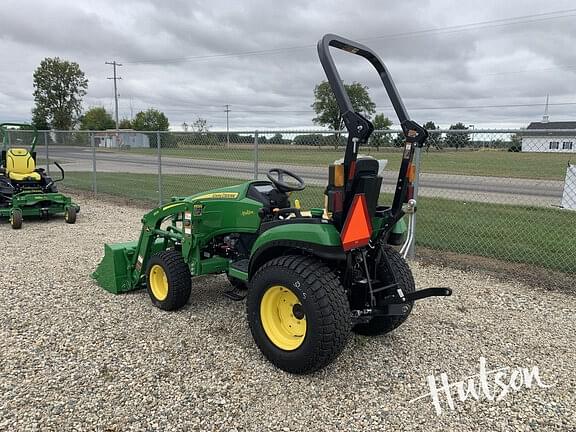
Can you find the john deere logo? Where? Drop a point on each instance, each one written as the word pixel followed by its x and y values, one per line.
pixel 247 212
pixel 219 195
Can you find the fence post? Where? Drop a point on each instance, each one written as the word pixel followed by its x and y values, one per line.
pixel 159 154
pixel 412 250
pixel 256 155
pixel 93 145
pixel 47 155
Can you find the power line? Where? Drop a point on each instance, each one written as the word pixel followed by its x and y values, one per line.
pixel 273 111
pixel 442 30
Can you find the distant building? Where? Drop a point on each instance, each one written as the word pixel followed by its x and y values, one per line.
pixel 128 138
pixel 550 140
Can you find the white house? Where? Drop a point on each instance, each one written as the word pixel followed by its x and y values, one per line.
pixel 555 138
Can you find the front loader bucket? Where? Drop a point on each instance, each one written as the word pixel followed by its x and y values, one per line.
pixel 114 273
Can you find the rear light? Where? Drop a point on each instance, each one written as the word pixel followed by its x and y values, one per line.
pixel 411 176
pixel 336 175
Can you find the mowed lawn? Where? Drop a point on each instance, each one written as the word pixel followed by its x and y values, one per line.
pixel 538 236
pixel 491 163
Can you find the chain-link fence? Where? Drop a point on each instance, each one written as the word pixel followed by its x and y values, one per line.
pixel 505 194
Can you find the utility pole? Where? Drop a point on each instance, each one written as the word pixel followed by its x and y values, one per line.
pixel 115 78
pixel 227 110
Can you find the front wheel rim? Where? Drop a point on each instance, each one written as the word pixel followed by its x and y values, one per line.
pixel 158 282
pixel 283 318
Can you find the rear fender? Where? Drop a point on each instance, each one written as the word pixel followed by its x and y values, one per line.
pixel 319 239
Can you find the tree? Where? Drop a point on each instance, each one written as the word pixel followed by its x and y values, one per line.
pixel 399 140
pixel 200 125
pixel 96 118
pixel 125 124
pixel 457 139
pixel 515 143
pixel 153 120
pixel 327 110
pixel 308 139
pixel 40 119
pixel 378 139
pixel 276 139
pixel 201 134
pixel 434 138
pixel 59 86
pixel 150 120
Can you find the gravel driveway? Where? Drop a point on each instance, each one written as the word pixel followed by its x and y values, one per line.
pixel 74 357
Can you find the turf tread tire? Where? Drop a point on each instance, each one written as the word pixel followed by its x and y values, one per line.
pixel 179 280
pixel 325 303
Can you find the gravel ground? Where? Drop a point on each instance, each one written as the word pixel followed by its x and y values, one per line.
pixel 74 357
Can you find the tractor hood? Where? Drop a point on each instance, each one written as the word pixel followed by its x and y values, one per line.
pixel 234 193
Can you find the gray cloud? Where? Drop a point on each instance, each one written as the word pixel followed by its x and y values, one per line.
pixel 504 64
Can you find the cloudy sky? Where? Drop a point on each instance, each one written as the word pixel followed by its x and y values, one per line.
pixel 489 63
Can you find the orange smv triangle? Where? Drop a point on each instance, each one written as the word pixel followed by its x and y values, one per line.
pixel 358 226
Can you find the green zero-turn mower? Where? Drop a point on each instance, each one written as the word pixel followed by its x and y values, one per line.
pixel 25 189
pixel 309 277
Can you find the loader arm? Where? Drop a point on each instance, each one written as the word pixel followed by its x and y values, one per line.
pixel 150 232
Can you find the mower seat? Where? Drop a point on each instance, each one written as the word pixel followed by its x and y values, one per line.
pixel 20 165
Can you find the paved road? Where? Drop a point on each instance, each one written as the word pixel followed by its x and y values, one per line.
pixel 471 188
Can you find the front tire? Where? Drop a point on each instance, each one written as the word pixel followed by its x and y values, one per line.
pixel 16 219
pixel 70 215
pixel 399 271
pixel 168 280
pixel 298 313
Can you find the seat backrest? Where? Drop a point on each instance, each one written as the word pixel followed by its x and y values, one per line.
pixel 367 181
pixel 19 161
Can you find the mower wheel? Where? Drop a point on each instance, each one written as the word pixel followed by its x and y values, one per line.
pixel 70 215
pixel 298 313
pixel 403 275
pixel 16 219
pixel 168 280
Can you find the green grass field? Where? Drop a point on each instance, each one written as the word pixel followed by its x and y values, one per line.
pixel 483 163
pixel 539 236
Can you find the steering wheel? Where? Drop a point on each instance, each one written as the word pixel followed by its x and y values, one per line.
pixel 282 185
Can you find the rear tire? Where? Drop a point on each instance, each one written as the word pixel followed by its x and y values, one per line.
pixel 16 219
pixel 168 280
pixel 70 215
pixel 403 275
pixel 298 313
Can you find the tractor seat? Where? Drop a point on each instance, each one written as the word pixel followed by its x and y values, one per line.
pixel 20 165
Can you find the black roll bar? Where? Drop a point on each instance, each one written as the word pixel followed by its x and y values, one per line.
pixel 332 40
pixel 360 128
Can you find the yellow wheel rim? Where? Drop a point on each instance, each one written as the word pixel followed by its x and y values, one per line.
pixel 158 282
pixel 283 318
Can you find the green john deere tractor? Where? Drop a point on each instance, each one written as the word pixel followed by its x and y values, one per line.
pixel 309 277
pixel 25 189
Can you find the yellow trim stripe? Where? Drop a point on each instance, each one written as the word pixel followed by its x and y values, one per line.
pixel 171 205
